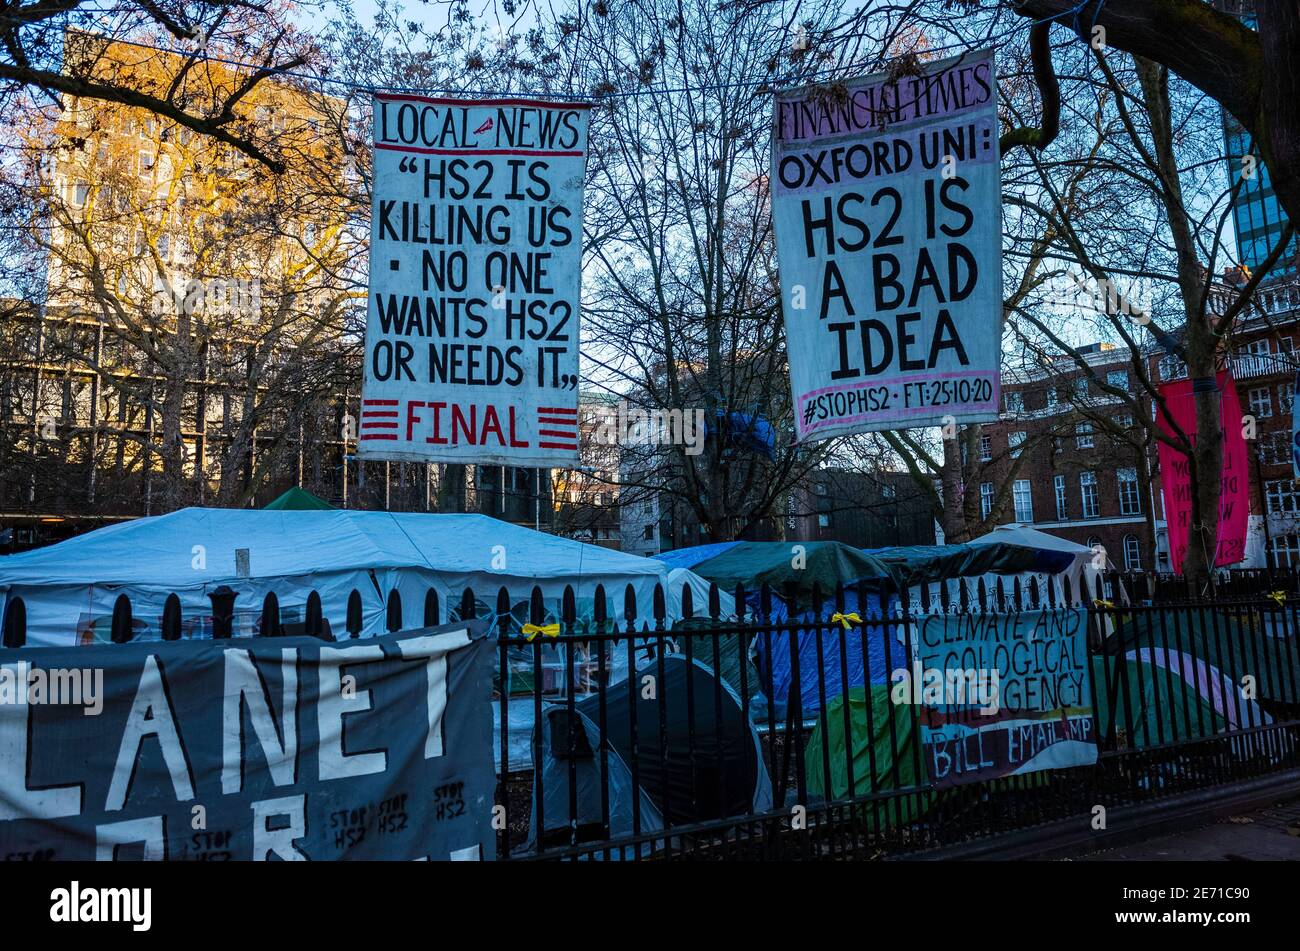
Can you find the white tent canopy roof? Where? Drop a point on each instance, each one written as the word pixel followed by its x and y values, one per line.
pixel 69 589
pixel 1029 538
pixel 164 551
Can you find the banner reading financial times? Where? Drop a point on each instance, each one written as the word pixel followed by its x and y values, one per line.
pixel 886 204
pixel 1000 694
pixel 250 749
pixel 475 266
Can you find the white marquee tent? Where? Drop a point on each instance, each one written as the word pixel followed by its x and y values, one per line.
pixel 69 590
pixel 1086 564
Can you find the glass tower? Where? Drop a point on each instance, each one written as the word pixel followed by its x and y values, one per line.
pixel 1257 219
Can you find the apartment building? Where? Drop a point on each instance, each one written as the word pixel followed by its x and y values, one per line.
pixel 1086 474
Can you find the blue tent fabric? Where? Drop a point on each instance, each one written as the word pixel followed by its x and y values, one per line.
pixel 884 652
pixel 694 555
pixel 749 430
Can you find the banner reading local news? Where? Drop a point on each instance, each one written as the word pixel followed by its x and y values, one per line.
pixel 887 208
pixel 1002 693
pixel 267 748
pixel 475 266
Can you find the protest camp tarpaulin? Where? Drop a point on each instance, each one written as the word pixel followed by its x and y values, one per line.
pixel 251 748
pixel 1000 694
pixel 475 267
pixel 1175 473
pixel 887 208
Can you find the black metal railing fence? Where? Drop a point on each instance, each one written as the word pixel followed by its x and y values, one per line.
pixel 770 730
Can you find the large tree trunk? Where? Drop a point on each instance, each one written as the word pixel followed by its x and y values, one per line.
pixel 1255 76
pixel 1205 465
pixel 955 530
pixel 173 446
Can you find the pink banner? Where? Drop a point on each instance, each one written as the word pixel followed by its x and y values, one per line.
pixel 1234 498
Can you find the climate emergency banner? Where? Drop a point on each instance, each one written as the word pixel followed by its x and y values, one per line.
pixel 1000 694
pixel 284 748
pixel 475 266
pixel 887 208
pixel 1175 473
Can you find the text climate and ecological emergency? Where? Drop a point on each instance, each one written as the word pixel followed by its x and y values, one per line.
pixel 887 209
pixel 475 267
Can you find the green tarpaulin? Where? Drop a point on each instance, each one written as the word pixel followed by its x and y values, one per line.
pixel 868 745
pixel 828 563
pixel 1162 707
pixel 298 500
pixel 777 564
pixel 1235 644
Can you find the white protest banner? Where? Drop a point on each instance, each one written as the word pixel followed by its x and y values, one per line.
pixel 475 267
pixel 888 218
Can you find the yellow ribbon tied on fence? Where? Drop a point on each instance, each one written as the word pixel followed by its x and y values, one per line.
pixel 848 620
pixel 1102 603
pixel 532 630
pixel 1278 596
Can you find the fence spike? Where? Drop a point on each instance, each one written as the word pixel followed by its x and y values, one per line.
pixel 393 615
pixel 314 617
pixel 271 615
pixel 171 619
pixel 15 623
pixel 568 609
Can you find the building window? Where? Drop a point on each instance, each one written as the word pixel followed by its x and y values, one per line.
pixel 1286 551
pixel 1079 387
pixel 1275 448
pixel 80 192
pixel 888 491
pixel 986 499
pixel 1281 496
pixel 1059 484
pixel 986 449
pixel 1083 435
pixel 1130 498
pixel 824 521
pixel 1024 499
pixel 1015 402
pixel 1132 553
pixel 1285 397
pixel 1171 368
pixel 1088 494
pixel 1014 442
pixel 1117 379
pixel 1261 402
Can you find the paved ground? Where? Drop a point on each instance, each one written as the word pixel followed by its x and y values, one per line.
pixel 1270 834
